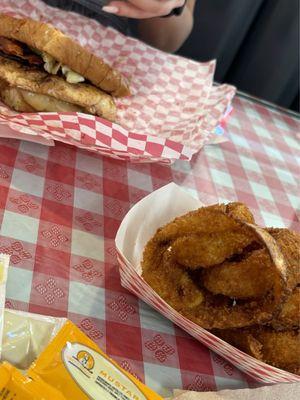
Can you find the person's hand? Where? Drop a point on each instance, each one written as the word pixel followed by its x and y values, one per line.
pixel 141 9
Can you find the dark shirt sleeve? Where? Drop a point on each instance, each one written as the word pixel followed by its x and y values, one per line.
pixel 92 9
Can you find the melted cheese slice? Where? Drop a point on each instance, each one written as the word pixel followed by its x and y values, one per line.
pixel 52 67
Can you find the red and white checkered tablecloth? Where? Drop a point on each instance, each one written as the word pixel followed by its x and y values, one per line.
pixel 60 208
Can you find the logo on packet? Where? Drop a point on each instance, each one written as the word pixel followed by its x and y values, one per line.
pixel 86 360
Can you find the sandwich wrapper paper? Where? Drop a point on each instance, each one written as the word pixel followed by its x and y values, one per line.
pixel 138 226
pixel 274 392
pixel 173 111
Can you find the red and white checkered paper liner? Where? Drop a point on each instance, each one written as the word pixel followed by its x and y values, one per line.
pixel 131 238
pixel 172 113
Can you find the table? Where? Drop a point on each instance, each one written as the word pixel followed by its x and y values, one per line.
pixel 60 208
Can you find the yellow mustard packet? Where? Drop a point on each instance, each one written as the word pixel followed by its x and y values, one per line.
pixel 75 366
pixel 15 386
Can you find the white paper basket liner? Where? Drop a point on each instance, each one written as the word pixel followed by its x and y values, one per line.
pixel 138 226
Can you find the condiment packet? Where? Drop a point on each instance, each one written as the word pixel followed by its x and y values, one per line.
pixel 15 386
pixel 4 263
pixel 75 366
pixel 26 335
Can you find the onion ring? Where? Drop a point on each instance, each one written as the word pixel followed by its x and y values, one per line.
pixel 280 349
pixel 164 273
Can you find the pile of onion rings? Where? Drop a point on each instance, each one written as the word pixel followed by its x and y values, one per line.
pixel 225 273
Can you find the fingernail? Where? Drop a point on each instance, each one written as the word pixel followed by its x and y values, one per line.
pixel 110 9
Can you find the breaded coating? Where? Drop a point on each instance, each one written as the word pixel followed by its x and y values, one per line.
pixel 204 220
pixel 289 316
pixel 289 244
pixel 242 339
pixel 27 82
pixel 207 236
pixel 183 290
pixel 251 277
pixel 224 273
pixel 240 211
pixel 208 249
pixel 280 349
pixel 170 281
pixel 219 312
